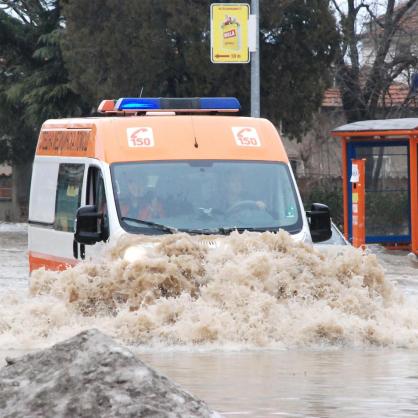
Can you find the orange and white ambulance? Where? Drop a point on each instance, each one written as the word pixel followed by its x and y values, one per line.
pixel 157 166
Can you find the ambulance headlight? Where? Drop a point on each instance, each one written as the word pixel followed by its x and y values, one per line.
pixel 138 252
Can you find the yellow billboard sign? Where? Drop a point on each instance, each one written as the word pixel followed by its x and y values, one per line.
pixel 229 33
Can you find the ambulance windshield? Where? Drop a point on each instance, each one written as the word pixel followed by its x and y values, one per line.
pixel 205 196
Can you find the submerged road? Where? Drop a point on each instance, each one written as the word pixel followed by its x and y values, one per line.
pixel 312 381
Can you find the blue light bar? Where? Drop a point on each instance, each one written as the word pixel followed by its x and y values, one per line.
pixel 178 104
pixel 229 103
pixel 131 103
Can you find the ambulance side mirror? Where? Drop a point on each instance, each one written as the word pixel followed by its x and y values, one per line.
pixel 87 225
pixel 319 218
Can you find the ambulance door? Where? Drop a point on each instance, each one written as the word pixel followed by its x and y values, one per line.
pixel 56 193
pixel 95 195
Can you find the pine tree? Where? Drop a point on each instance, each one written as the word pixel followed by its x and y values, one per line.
pixel 34 83
pixel 116 48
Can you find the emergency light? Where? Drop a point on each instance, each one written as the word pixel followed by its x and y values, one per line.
pixel 228 104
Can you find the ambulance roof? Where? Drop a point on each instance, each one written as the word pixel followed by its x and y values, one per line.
pixel 179 137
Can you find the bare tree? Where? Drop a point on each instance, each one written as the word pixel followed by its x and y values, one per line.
pixel 379 48
pixel 391 31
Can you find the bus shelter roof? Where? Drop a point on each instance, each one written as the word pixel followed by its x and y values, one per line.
pixel 383 127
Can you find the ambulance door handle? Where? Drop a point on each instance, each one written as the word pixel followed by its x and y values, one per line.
pixel 75 249
pixel 82 251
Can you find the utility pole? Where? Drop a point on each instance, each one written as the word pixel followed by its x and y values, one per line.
pixel 255 63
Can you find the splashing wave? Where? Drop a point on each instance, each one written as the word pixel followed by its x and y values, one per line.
pixel 249 290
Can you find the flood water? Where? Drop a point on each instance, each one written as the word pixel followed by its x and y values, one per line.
pixel 310 355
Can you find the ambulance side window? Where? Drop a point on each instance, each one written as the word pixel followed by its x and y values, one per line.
pixel 96 195
pixel 68 198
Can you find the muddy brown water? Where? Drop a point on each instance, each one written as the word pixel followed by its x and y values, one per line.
pixel 304 355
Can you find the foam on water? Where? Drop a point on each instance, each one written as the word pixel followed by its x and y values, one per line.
pixel 252 290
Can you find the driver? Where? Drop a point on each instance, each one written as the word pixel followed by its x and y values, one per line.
pixel 141 204
pixel 235 194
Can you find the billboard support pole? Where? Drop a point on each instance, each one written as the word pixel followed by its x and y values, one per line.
pixel 255 64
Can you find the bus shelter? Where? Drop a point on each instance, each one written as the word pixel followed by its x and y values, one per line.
pixel 389 148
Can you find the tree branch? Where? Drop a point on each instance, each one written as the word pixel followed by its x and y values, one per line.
pixel 338 9
pixel 374 18
pixel 352 37
pixel 10 4
pixel 399 66
pixel 402 11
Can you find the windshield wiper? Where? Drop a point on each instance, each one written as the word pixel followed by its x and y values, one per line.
pixel 227 230
pixel 205 231
pixel 154 225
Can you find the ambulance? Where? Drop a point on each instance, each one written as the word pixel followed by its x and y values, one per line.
pixel 156 166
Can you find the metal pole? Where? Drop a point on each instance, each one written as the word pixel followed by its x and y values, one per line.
pixel 255 64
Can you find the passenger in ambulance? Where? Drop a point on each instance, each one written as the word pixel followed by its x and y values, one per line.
pixel 141 204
